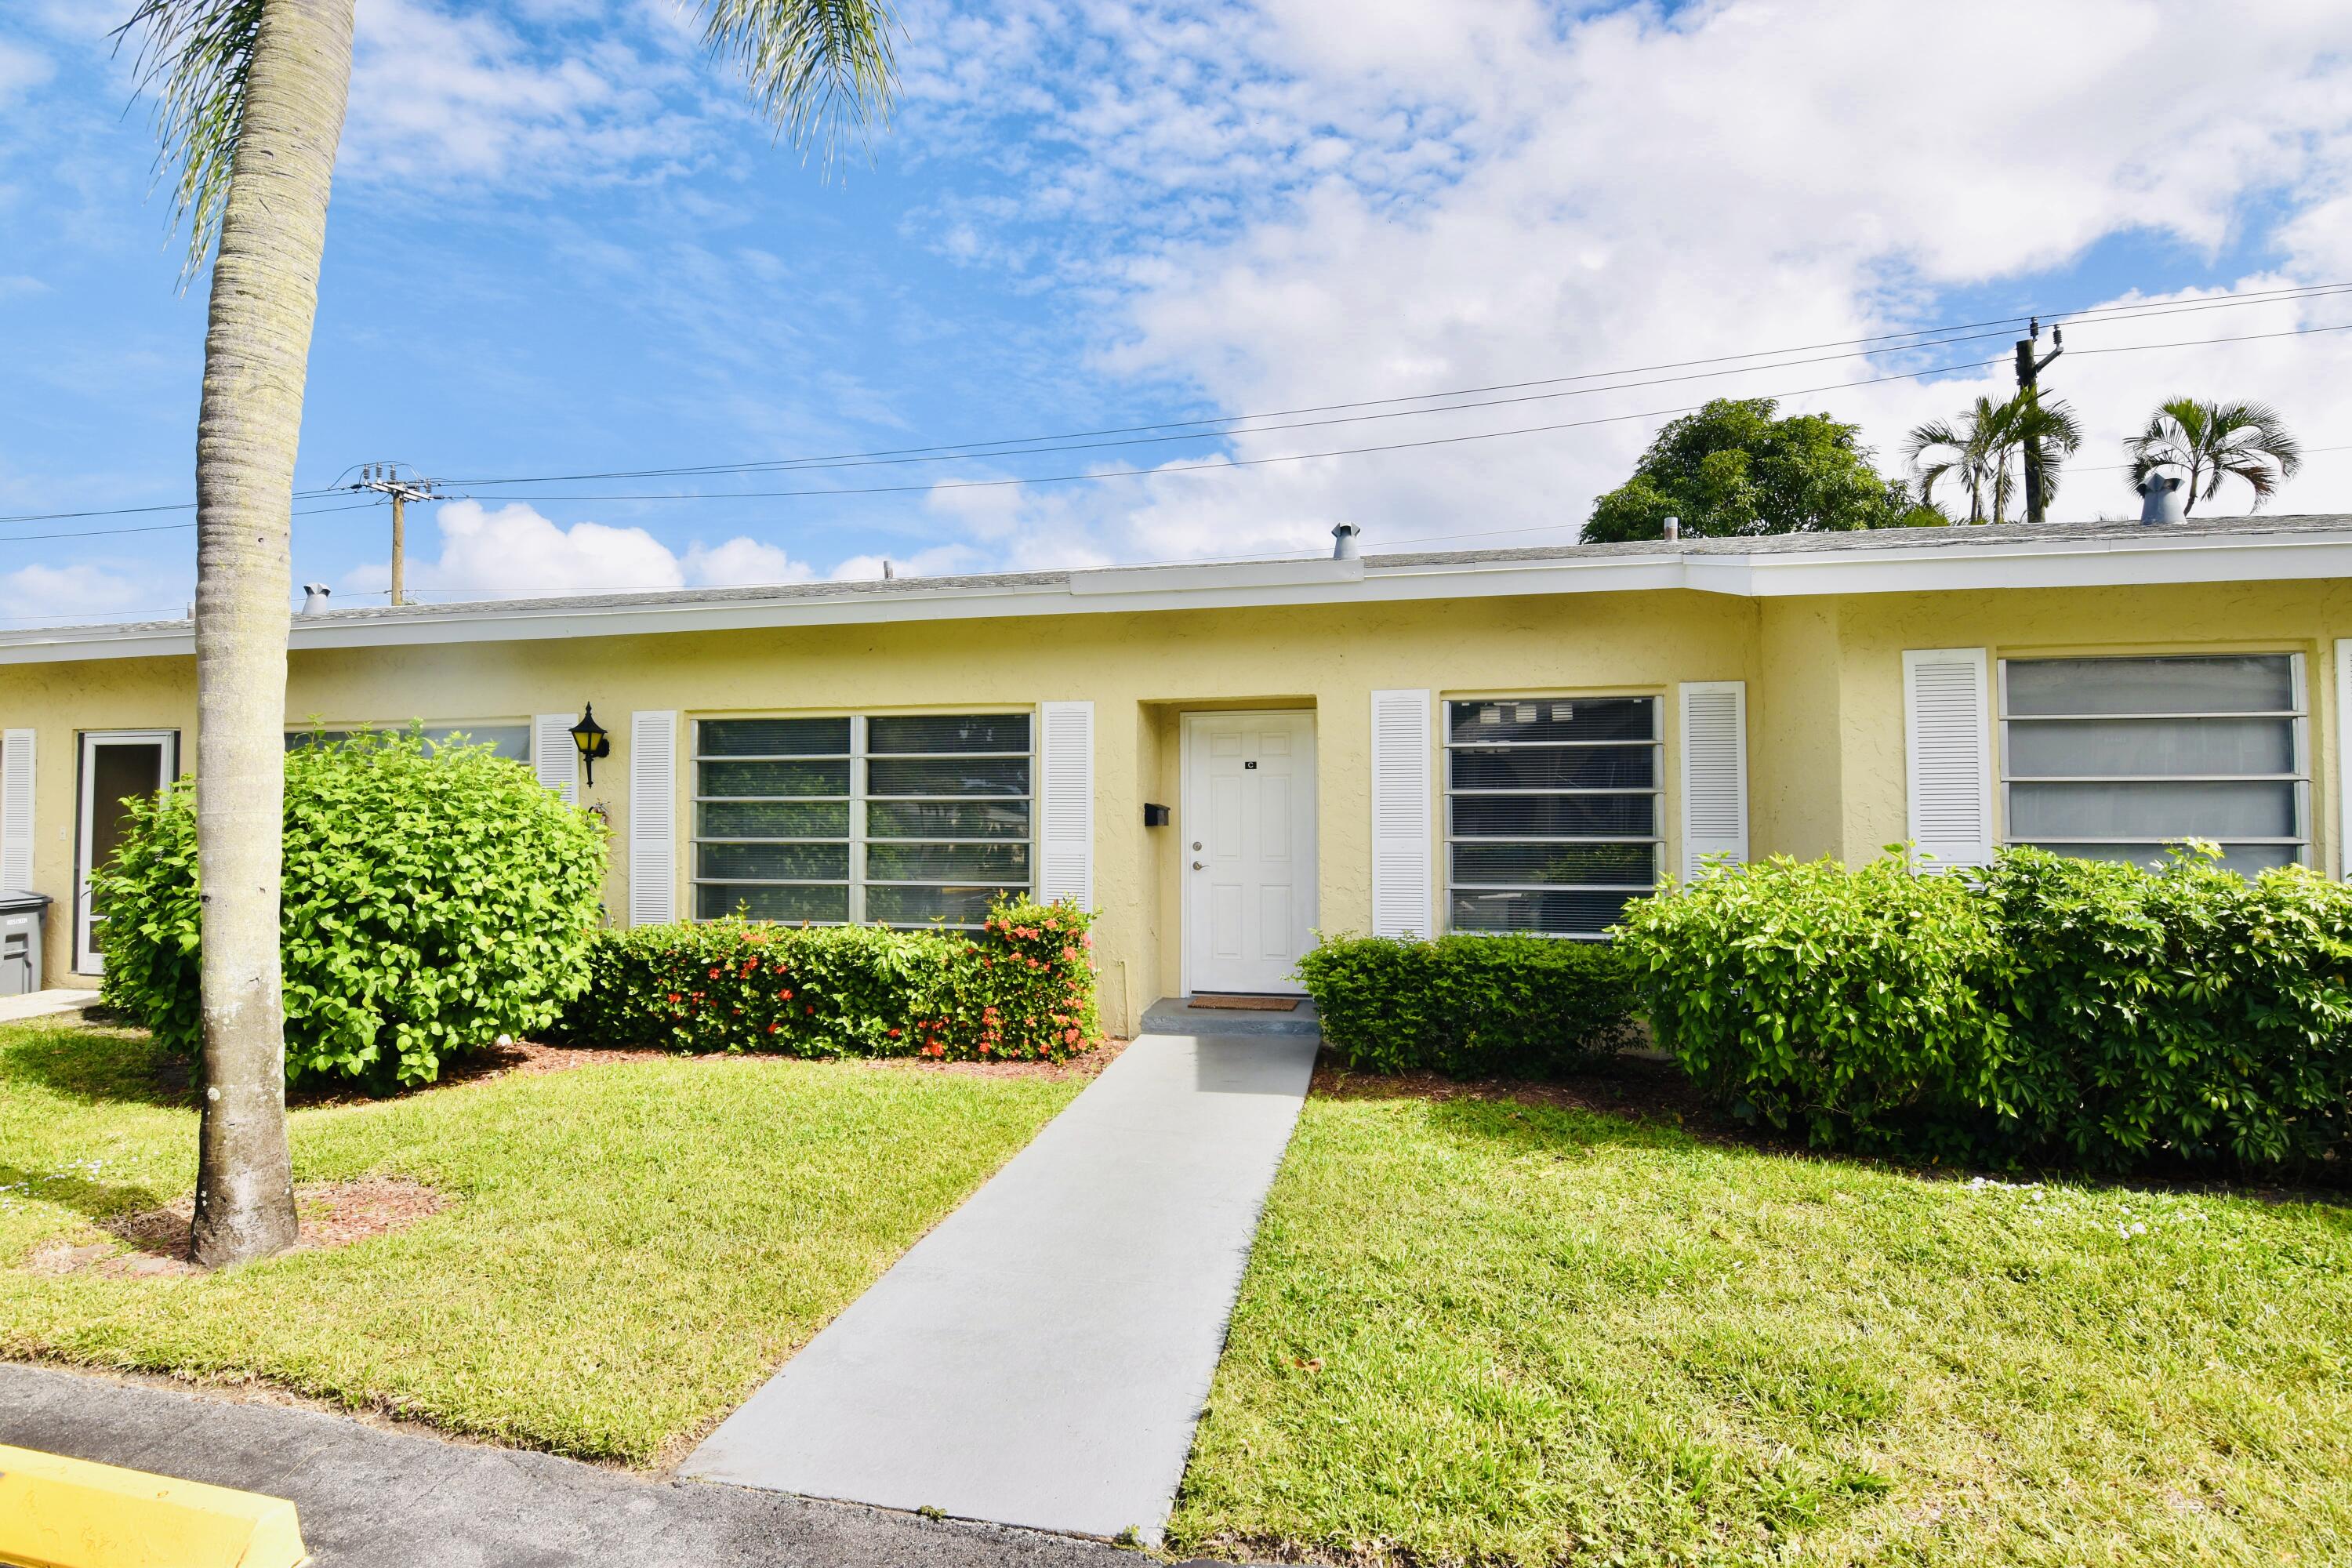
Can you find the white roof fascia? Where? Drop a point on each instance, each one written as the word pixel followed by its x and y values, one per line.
pixel 2105 561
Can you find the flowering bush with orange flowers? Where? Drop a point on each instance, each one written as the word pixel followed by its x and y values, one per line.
pixel 1022 988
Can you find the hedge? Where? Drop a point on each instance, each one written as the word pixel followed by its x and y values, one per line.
pixel 1468 1006
pixel 2045 1009
pixel 436 897
pixel 1019 989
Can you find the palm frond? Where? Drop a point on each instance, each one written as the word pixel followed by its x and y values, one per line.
pixel 816 68
pixel 193 56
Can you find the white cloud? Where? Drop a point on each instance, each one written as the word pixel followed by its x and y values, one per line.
pixel 92 591
pixel 515 552
pixel 743 561
pixel 443 97
pixel 21 68
pixel 1301 202
pixel 939 562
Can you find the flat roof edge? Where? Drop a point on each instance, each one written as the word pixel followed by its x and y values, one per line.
pixel 2112 559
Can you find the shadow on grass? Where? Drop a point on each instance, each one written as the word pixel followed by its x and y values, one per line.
pixel 1559 1131
pixel 85 1193
pixel 97 1066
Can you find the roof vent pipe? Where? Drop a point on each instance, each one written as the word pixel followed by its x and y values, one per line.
pixel 314 598
pixel 2163 497
pixel 1343 540
pixel 1674 529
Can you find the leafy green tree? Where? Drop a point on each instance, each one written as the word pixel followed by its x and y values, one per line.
pixel 1734 468
pixel 250 97
pixel 2216 441
pixel 1984 452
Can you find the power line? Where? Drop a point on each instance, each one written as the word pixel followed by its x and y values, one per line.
pixel 1260 461
pixel 1927 338
pixel 156 527
pixel 141 511
pixel 1015 446
pixel 960 456
pixel 1229 463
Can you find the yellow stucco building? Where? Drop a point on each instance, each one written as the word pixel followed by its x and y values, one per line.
pixel 1513 739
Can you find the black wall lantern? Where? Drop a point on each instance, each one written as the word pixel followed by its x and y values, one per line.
pixel 590 737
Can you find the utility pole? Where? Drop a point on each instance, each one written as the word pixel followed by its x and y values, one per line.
pixel 2029 373
pixel 384 479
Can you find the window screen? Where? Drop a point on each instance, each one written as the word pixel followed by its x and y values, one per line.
pixel 897 819
pixel 1551 812
pixel 508 738
pixel 2113 759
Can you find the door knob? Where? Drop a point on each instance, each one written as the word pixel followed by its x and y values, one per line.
pixel 1196 865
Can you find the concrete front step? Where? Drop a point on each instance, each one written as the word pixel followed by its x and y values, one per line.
pixel 1176 1015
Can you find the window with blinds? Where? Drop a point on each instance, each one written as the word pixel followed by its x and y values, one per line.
pixel 1551 812
pixel 893 820
pixel 2113 759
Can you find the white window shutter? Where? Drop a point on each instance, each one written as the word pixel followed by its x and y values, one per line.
pixel 1947 752
pixel 2343 759
pixel 1400 822
pixel 554 756
pixel 1715 772
pixel 17 810
pixel 653 818
pixel 1066 805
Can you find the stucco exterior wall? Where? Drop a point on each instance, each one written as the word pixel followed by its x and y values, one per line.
pixel 1825 707
pixel 2304 618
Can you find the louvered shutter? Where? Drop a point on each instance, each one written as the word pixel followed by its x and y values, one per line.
pixel 554 756
pixel 653 818
pixel 1400 805
pixel 1715 772
pixel 2343 759
pixel 1947 752
pixel 17 810
pixel 1065 803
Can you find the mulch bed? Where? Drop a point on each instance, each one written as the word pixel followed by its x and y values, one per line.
pixel 153 1243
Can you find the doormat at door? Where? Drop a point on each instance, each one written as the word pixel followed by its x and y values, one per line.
pixel 1247 1004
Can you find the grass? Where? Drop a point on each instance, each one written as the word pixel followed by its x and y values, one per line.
pixel 633 1247
pixel 1480 1331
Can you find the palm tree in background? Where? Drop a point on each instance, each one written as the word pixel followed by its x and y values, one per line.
pixel 2211 442
pixel 249 108
pixel 1979 451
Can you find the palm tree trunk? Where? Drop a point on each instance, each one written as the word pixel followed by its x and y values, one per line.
pixel 265 295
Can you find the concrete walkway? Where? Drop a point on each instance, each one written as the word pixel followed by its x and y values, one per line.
pixel 373 1498
pixel 45 1005
pixel 1041 1358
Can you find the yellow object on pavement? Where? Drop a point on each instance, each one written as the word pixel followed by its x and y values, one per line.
pixel 57 1512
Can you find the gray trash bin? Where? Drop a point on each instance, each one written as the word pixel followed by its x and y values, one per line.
pixel 20 942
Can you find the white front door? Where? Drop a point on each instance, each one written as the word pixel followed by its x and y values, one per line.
pixel 1247 821
pixel 115 765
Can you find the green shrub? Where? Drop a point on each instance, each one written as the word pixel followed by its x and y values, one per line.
pixel 1023 988
pixel 435 898
pixel 2187 1012
pixel 2049 1008
pixel 1849 1005
pixel 1468 1006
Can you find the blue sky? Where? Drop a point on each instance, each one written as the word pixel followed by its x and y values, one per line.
pixel 559 245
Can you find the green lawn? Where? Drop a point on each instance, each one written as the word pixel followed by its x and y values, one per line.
pixel 1485 1332
pixel 633 1248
